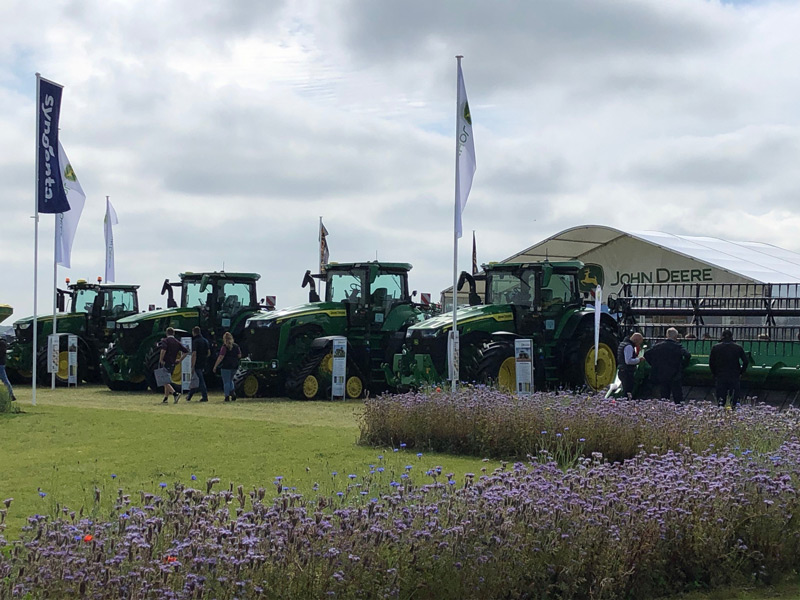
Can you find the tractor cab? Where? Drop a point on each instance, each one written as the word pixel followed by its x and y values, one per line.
pixel 369 291
pixel 101 303
pixel 220 297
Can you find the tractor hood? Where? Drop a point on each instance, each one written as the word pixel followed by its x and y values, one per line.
pixel 28 321
pixel 471 314
pixel 277 317
pixel 158 314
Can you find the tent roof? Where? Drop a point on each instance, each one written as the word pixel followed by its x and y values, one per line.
pixel 758 261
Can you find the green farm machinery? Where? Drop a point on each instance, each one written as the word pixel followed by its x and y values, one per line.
pixel 290 350
pixel 94 311
pixel 540 301
pixel 764 319
pixel 215 301
pixel 5 312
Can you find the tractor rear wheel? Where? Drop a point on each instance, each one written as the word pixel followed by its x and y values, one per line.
pixel 584 373
pixel 497 366
pixel 62 375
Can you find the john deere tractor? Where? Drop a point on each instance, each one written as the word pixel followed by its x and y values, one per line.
pixel 94 311
pixel 215 301
pixel 291 349
pixel 538 301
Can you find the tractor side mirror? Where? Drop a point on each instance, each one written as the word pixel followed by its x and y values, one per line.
pixel 474 298
pixel 167 289
pixel 308 280
pixel 60 300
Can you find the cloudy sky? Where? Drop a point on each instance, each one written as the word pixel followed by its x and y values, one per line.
pixel 223 130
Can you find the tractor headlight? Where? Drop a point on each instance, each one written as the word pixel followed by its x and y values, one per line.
pixel 429 333
pixel 128 325
pixel 24 325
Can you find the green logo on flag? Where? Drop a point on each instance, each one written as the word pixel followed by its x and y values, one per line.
pixel 467 116
pixel 69 173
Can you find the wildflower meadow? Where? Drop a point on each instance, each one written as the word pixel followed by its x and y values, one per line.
pixel 694 497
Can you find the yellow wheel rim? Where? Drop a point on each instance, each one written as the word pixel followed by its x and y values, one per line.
pixel 507 375
pixel 63 365
pixel 176 374
pixel 250 386
pixel 602 375
pixel 310 387
pixel 354 387
pixel 326 365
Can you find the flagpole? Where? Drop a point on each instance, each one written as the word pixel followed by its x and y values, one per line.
pixel 454 349
pixel 36 241
pixel 55 294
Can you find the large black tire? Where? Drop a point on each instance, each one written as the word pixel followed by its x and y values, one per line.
pixel 582 371
pixel 247 384
pixel 497 366
pixel 306 383
pixel 62 377
pixel 470 351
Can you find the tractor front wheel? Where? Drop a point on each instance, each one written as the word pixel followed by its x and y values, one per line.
pixel 497 365
pixel 247 384
pixel 587 373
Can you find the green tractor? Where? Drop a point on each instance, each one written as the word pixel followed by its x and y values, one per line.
pixel 5 312
pixel 290 350
pixel 215 301
pixel 94 310
pixel 539 301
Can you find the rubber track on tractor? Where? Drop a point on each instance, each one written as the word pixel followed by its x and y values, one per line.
pixel 309 366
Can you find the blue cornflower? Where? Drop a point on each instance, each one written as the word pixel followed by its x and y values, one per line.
pixel 394 484
pixel 340 494
pixel 395 450
pixel 409 467
pixel 162 484
pixel 335 473
pixel 402 445
pixel 351 476
pixel 419 454
pixel 380 456
pixel 279 478
pixel 113 476
pixel 380 469
pixel 42 494
pixel 194 477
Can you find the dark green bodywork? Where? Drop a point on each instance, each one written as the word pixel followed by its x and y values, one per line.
pixel 279 341
pixel 127 363
pixel 94 323
pixel 554 328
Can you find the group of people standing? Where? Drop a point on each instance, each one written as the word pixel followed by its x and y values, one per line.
pixel 667 359
pixel 172 352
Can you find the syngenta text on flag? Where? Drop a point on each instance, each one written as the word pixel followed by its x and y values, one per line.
pixel 67 223
pixel 465 161
pixel 51 194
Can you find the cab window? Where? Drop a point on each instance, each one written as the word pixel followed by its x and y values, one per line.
pixel 83 300
pixel 387 288
pixel 235 296
pixel 560 289
pixel 192 297
pixel 345 287
pixel 120 301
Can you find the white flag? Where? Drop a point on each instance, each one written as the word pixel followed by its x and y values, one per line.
pixel 109 221
pixel 465 162
pixel 598 309
pixel 67 222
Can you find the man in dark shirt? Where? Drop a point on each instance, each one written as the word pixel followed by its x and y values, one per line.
pixel 627 359
pixel 728 362
pixel 201 350
pixel 172 352
pixel 3 375
pixel 667 360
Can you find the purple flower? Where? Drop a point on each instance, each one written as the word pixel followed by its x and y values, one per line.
pixel 113 476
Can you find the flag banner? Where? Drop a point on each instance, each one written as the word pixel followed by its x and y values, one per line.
pixel 465 161
pixel 67 223
pixel 50 193
pixel 109 222
pixel 474 255
pixel 598 309
pixel 324 254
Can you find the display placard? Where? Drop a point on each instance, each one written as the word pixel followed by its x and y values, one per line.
pixel 452 351
pixel 186 366
pixel 72 359
pixel 523 354
pixel 53 347
pixel 339 371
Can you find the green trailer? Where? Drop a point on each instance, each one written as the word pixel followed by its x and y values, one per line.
pixel 290 350
pixel 215 301
pixel 94 309
pixel 540 301
pixel 764 320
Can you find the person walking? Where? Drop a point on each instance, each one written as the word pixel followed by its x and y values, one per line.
pixel 172 352
pixel 627 359
pixel 3 374
pixel 228 362
pixel 728 363
pixel 667 360
pixel 201 350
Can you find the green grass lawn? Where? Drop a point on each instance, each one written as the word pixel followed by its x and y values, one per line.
pixel 73 440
